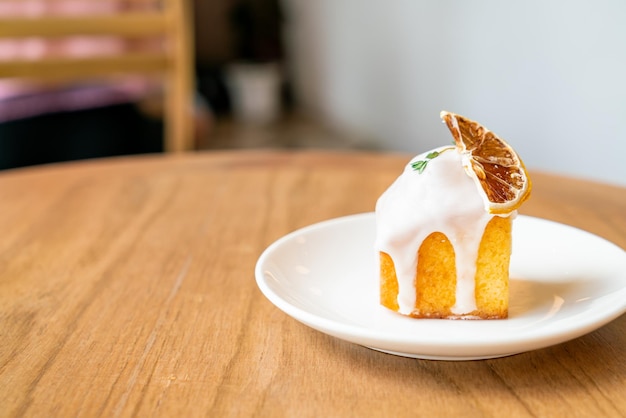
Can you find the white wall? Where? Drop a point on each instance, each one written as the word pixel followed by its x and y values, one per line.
pixel 548 76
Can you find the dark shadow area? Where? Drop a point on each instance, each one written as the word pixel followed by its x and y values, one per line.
pixel 65 136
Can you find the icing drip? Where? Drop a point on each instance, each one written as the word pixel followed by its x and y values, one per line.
pixel 442 198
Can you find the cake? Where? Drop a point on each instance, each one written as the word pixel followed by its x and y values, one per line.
pixel 443 228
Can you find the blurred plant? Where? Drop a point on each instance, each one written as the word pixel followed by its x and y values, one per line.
pixel 257 30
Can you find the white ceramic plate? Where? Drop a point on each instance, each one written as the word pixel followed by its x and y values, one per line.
pixel 565 282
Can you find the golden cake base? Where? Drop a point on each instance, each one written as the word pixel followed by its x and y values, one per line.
pixel 435 279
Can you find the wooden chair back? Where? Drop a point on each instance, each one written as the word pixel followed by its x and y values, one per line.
pixel 170 21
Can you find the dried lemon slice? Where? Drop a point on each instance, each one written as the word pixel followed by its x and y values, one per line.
pixel 493 164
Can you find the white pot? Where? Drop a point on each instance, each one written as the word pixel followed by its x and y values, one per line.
pixel 255 92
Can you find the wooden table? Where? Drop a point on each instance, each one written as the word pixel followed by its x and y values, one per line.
pixel 127 289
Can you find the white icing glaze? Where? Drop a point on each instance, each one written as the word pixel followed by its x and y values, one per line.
pixel 443 198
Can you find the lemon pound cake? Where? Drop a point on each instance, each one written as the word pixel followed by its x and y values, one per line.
pixel 444 227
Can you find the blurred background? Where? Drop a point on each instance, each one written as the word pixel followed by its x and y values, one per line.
pixel 372 74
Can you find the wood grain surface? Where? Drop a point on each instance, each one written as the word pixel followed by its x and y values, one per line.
pixel 127 289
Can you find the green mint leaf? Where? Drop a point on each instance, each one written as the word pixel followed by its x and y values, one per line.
pixel 419 166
